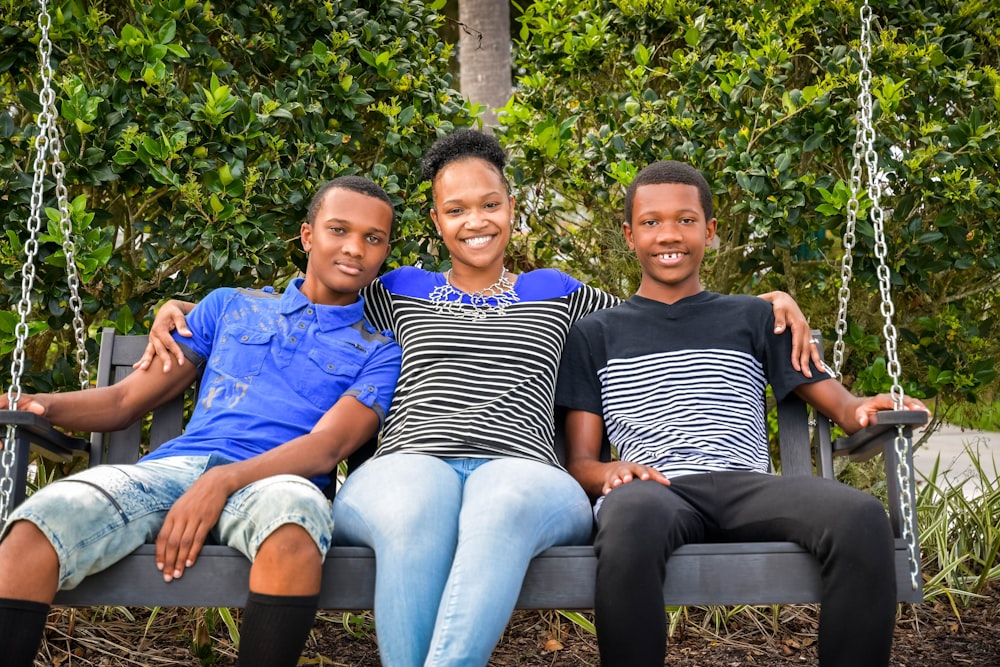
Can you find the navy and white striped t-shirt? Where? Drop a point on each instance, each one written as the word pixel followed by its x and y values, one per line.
pixel 477 387
pixel 681 386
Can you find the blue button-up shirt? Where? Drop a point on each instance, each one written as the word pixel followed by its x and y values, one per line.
pixel 273 365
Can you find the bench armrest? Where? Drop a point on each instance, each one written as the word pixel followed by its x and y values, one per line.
pixel 873 439
pixel 42 436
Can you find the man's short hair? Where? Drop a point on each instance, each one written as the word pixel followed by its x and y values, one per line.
pixel 670 171
pixel 357 184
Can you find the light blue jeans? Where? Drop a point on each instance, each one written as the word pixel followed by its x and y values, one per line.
pixel 453 539
pixel 97 517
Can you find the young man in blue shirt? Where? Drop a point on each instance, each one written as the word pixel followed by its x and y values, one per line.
pixel 676 376
pixel 291 385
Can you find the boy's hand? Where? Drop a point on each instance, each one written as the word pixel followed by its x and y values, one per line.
pixel 161 342
pixel 623 472
pixel 873 404
pixel 187 526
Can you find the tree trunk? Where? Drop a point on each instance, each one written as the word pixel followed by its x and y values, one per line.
pixel 484 54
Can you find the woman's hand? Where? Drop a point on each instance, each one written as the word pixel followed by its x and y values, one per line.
pixel 170 317
pixel 788 315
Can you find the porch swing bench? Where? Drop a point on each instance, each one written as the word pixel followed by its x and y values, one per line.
pixel 560 578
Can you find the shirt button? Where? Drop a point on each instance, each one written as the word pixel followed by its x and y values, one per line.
pixel 329 367
pixel 301 325
pixel 293 339
pixel 309 311
pixel 371 388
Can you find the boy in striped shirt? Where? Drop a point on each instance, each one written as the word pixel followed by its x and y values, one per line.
pixel 676 376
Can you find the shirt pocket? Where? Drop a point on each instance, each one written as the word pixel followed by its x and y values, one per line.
pixel 328 374
pixel 242 353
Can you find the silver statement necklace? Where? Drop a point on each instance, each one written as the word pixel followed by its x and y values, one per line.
pixel 447 299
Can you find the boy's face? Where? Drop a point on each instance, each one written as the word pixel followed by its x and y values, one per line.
pixel 669 234
pixel 347 244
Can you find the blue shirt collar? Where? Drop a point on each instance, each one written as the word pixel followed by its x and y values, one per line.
pixel 329 317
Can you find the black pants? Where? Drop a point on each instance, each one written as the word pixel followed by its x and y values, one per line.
pixel 641 523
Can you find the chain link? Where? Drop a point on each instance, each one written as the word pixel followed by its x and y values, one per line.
pixel 69 250
pixel 865 156
pixel 47 144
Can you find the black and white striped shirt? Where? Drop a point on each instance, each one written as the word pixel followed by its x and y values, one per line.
pixel 477 387
pixel 681 386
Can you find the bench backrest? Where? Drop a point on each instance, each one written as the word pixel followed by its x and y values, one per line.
pixel 117 355
pixel 800 433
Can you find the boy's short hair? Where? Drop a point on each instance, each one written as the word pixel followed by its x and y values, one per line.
pixel 358 184
pixel 462 144
pixel 670 171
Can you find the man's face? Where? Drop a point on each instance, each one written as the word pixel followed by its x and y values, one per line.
pixel 669 234
pixel 347 244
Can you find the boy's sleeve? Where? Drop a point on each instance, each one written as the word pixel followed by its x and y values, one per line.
pixel 376 384
pixel 579 386
pixel 782 377
pixel 203 322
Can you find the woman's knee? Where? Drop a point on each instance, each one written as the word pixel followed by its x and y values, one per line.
pixel 524 497
pixel 398 499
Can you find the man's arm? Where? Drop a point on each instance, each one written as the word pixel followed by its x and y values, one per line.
pixel 345 427
pixel 850 412
pixel 108 408
pixel 584 435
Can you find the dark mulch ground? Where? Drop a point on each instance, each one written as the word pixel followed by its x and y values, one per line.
pixel 926 635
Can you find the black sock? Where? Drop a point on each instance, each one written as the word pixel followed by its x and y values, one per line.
pixel 22 624
pixel 275 629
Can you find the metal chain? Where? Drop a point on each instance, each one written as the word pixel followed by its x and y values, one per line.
pixel 69 250
pixel 864 154
pixel 46 143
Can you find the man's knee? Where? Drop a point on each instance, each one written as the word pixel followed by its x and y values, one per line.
pixel 290 543
pixel 640 519
pixel 29 564
pixel 287 563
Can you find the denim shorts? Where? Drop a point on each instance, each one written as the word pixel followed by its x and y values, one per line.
pixel 97 517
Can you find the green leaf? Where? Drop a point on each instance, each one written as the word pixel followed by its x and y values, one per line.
pixel 692 36
pixel 125 320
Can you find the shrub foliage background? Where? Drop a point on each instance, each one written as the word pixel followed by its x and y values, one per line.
pixel 761 97
pixel 195 134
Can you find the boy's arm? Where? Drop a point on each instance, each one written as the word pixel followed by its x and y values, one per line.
pixel 345 427
pixel 788 314
pixel 108 408
pixel 584 435
pixel 850 412
pixel 169 317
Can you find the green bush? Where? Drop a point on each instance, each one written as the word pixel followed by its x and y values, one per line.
pixel 761 98
pixel 195 135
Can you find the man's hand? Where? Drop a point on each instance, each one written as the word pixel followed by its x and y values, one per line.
pixel 787 314
pixel 187 525
pixel 623 472
pixel 27 403
pixel 161 342
pixel 871 405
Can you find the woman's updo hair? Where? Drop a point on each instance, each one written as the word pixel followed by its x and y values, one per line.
pixel 463 144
